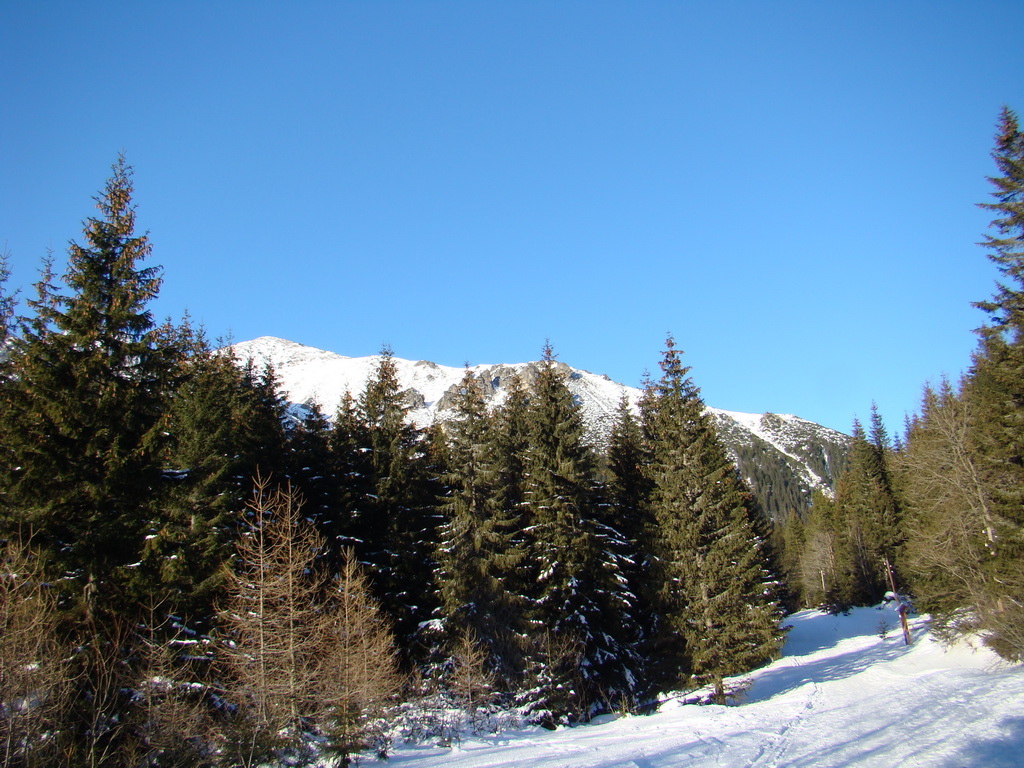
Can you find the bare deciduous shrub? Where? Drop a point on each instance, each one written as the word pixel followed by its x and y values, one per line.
pixel 172 717
pixel 272 622
pixel 306 661
pixel 359 673
pixel 471 682
pixel 34 672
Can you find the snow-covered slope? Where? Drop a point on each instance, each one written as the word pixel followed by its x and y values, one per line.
pixel 769 448
pixel 840 697
pixel 308 374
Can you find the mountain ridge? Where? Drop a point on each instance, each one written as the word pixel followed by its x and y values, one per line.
pixel 783 457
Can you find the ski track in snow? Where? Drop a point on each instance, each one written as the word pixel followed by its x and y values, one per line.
pixel 775 746
pixel 840 697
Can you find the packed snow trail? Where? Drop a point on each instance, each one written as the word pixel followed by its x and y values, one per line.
pixel 840 696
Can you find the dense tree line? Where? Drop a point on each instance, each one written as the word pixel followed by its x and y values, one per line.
pixel 193 574
pixel 940 510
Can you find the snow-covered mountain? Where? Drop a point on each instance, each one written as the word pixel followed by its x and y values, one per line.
pixel 783 457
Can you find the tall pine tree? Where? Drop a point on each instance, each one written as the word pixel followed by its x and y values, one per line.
pixel 865 492
pixel 719 613
pixel 399 524
pixel 579 602
pixel 81 411
pixel 349 443
pixel 995 390
pixel 477 553
pixel 312 468
pixel 628 504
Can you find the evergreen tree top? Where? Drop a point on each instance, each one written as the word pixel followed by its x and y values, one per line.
pixel 879 434
pixel 379 402
pixel 548 355
pixel 675 377
pixel 1006 249
pixel 104 315
pixel 110 287
pixel 857 430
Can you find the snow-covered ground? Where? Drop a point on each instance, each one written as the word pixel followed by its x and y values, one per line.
pixel 840 696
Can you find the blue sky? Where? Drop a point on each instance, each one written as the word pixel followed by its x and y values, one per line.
pixel 787 187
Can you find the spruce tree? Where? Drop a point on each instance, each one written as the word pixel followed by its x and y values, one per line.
pixel 789 540
pixel 855 537
pixel 188 537
pixel 82 407
pixel 824 567
pixel 311 466
pixel 8 305
pixel 1006 247
pixel 508 442
pixel 349 443
pixel 871 528
pixel 579 602
pixel 996 385
pixel 223 432
pixel 628 505
pixel 476 551
pixel 628 485
pixel 400 519
pixel 268 414
pixel 995 391
pixel 719 613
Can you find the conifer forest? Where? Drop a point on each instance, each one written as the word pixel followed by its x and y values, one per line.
pixel 191 577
